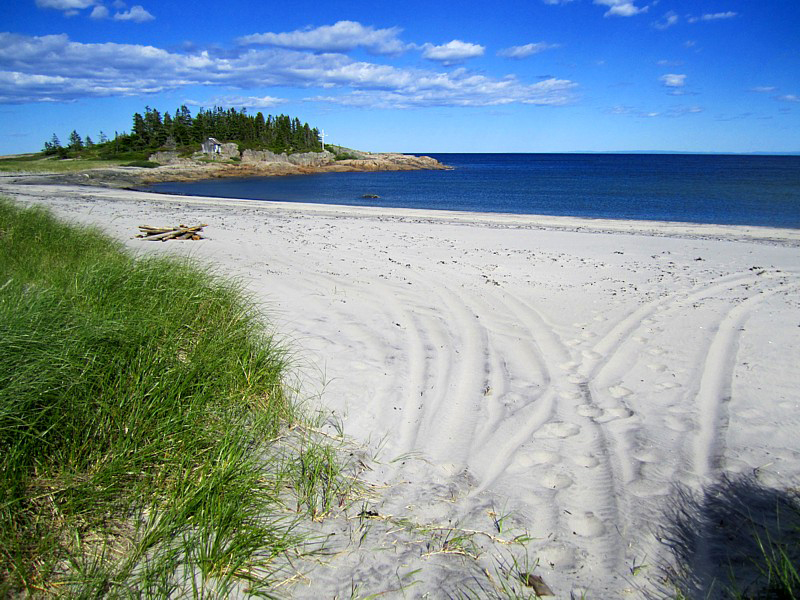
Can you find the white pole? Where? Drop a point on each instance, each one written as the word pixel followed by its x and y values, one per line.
pixel 322 135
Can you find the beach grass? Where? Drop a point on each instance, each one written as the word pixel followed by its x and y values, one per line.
pixel 143 413
pixel 38 163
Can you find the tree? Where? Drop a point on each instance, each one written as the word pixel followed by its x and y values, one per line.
pixel 75 141
pixel 52 146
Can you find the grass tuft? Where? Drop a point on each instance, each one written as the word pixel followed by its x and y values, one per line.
pixel 736 539
pixel 139 402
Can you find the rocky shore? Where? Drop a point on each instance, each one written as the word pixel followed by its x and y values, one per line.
pixel 250 163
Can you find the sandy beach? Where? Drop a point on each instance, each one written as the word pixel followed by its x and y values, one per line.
pixel 568 380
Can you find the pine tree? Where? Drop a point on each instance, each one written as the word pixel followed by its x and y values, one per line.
pixel 75 141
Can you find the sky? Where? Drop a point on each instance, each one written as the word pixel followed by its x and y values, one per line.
pixel 412 76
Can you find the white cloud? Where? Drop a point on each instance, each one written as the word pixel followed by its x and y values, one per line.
pixel 452 52
pixel 673 80
pixel 788 98
pixel 764 89
pixel 668 20
pixel 71 8
pixel 99 12
pixel 53 68
pixel 621 8
pixel 65 5
pixel 460 89
pixel 342 36
pixel 714 17
pixel 137 14
pixel 240 101
pixel 676 111
pixel 554 2
pixel 526 50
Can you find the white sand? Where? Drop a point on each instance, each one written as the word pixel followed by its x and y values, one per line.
pixel 569 373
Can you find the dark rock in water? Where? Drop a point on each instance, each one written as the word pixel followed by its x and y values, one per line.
pixel 372 196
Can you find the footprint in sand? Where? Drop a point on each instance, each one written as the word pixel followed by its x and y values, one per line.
pixel 538 457
pixel 591 354
pixel 639 338
pixel 618 413
pixel 669 385
pixel 642 488
pixel 558 557
pixel 657 367
pixel 677 424
pixel 587 410
pixel 568 366
pixel 587 525
pixel 617 391
pixel 656 351
pixel 647 455
pixel 571 394
pixel 588 461
pixel 556 481
pixel 558 430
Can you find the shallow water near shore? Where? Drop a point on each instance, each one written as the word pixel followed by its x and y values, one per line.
pixel 717 189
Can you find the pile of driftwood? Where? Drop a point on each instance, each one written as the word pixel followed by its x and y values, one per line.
pixel 162 234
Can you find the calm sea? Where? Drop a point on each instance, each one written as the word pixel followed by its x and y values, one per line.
pixel 722 189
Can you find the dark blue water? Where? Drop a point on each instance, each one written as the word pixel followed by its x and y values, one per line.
pixel 721 189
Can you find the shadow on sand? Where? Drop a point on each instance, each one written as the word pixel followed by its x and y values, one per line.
pixel 736 539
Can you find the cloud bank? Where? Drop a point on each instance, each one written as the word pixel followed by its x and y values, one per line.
pixel 342 36
pixel 53 68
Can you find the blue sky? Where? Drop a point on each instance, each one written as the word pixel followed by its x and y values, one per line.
pixel 411 76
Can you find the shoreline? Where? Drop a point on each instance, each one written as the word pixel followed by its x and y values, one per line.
pixel 186 169
pixel 687 230
pixel 566 377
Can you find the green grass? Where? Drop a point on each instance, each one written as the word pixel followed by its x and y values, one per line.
pixel 737 539
pixel 143 419
pixel 37 163
pixel 346 156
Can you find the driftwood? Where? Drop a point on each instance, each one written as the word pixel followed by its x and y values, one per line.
pixel 162 234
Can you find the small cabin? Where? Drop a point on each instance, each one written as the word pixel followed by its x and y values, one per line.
pixel 212 146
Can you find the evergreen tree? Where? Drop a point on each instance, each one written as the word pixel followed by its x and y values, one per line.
pixel 75 141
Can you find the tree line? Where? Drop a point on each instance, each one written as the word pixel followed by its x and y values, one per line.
pixel 183 132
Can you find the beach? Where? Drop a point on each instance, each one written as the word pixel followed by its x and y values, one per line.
pixel 575 381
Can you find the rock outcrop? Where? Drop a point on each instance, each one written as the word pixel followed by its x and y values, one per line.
pixel 303 159
pixel 250 163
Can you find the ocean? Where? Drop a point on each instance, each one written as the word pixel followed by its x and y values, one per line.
pixel 719 189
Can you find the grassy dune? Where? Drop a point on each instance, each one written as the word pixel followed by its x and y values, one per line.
pixel 37 163
pixel 140 404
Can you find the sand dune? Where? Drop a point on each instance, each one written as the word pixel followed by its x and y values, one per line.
pixel 570 374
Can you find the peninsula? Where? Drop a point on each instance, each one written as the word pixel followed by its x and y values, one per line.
pixel 214 143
